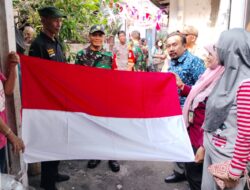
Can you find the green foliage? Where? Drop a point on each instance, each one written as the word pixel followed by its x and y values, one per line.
pixel 81 15
pixel 114 28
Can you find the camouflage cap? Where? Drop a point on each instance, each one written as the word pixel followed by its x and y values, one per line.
pixel 97 28
pixel 51 11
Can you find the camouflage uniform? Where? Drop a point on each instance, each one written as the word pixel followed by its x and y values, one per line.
pixel 100 59
pixel 140 64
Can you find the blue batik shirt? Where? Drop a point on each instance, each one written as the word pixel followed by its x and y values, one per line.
pixel 189 68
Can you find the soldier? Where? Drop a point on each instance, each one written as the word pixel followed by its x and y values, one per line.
pixel 47 46
pixel 95 56
pixel 140 64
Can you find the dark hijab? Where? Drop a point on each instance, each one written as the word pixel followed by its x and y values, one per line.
pixel 234 53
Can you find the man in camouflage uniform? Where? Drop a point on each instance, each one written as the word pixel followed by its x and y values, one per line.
pixel 95 56
pixel 140 64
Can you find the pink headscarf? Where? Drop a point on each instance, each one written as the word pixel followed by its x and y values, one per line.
pixel 203 86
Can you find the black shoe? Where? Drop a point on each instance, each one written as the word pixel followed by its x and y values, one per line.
pixel 61 177
pixel 114 165
pixel 93 163
pixel 175 177
pixel 48 188
pixel 54 188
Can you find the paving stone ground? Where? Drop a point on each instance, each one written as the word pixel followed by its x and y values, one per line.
pixel 134 175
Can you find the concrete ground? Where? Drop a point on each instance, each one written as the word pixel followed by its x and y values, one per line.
pixel 133 175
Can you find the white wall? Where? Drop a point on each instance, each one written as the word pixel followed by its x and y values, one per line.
pixel 198 14
pixel 238 13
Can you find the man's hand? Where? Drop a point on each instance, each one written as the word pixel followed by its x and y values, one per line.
pixel 199 156
pixel 179 82
pixel 130 66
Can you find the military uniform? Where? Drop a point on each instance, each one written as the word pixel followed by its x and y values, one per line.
pixel 51 49
pixel 100 59
pixel 140 64
pixel 46 48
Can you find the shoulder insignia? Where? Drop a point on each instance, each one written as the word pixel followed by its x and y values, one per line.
pixel 51 52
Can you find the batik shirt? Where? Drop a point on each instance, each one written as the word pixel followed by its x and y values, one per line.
pixel 189 68
pixel 100 59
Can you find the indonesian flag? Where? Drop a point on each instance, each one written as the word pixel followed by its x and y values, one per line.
pixel 76 112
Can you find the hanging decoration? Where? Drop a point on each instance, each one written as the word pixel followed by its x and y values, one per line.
pixel 138 15
pixel 157 26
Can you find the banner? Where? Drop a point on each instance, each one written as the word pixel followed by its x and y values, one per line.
pixel 76 112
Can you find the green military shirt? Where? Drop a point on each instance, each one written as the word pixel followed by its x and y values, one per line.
pixel 46 48
pixel 100 59
pixel 140 64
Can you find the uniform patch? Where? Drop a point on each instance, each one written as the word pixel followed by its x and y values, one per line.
pixel 51 52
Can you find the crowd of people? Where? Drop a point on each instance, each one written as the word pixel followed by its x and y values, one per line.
pixel 214 91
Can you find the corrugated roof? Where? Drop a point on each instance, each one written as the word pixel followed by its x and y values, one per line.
pixel 161 3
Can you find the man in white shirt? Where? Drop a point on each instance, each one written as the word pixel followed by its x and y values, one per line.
pixel 121 51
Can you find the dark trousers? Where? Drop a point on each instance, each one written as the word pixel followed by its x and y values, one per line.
pixel 2 160
pixel 194 174
pixel 179 167
pixel 49 172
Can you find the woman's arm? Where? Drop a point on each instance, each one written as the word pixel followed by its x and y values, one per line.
pixel 242 145
pixel 16 142
pixel 13 60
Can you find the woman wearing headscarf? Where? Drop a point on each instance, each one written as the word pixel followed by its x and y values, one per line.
pixel 232 170
pixel 194 113
pixel 220 126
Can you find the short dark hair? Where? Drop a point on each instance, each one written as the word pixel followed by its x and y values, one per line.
pixel 178 33
pixel 121 32
pixel 156 42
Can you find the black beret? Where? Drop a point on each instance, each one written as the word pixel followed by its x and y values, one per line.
pixel 51 11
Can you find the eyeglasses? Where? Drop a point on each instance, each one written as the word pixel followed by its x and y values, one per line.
pixel 189 34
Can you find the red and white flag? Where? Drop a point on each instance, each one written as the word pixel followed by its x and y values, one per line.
pixel 75 112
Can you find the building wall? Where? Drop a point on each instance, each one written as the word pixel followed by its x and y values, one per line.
pixel 203 15
pixel 210 17
pixel 240 15
pixel 197 13
pixel 247 19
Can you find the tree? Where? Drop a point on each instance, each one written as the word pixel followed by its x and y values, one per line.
pixel 81 15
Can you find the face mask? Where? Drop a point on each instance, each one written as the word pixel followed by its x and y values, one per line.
pixel 159 44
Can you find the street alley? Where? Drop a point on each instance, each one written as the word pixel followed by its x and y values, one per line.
pixel 134 175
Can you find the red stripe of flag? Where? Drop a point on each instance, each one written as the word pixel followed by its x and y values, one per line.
pixel 66 87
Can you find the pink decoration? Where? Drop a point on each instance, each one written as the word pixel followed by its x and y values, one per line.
pixel 157 26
